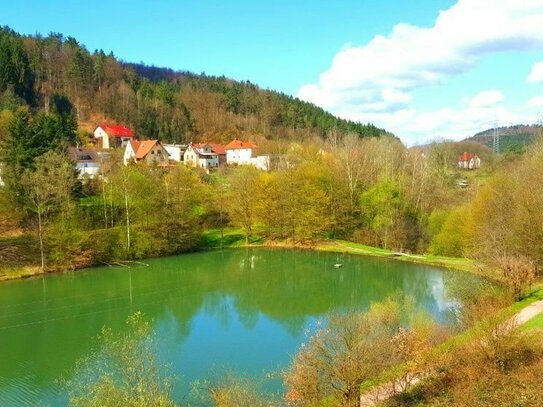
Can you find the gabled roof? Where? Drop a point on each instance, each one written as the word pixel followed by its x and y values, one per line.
pixel 238 145
pixel 116 130
pixel 199 149
pixel 217 148
pixel 144 148
pixel 135 144
pixel 466 156
pixel 83 154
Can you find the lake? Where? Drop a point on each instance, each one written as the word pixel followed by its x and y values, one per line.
pixel 246 310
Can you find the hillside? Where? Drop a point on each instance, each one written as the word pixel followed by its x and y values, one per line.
pixel 161 103
pixel 511 138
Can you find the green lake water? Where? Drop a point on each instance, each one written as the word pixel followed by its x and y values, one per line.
pixel 244 310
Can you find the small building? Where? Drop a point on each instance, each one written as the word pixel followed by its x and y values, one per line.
pixel 87 161
pixel 112 136
pixel 176 151
pixel 469 161
pixel 201 156
pixel 150 152
pixel 220 151
pixel 239 152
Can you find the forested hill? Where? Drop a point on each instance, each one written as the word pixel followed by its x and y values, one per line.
pixel 511 137
pixel 157 102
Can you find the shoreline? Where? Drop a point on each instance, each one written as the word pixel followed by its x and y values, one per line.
pixel 237 240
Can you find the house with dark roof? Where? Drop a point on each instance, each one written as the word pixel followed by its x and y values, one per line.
pixel 86 160
pixel 112 136
pixel 150 152
pixel 469 161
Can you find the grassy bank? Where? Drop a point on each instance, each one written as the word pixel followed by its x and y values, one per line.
pixel 211 239
pixel 19 253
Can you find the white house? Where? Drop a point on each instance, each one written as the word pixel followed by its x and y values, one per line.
pixel 176 151
pixel 469 161
pixel 239 152
pixel 150 152
pixel 112 136
pixel 201 156
pixel 86 160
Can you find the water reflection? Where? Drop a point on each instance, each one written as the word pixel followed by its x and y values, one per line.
pixel 246 309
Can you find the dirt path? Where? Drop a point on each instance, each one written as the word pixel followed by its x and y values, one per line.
pixel 387 390
pixel 528 313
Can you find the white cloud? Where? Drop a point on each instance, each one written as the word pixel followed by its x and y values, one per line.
pixel 373 82
pixel 486 98
pixel 536 74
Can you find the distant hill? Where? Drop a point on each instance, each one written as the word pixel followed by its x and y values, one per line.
pixel 511 138
pixel 173 106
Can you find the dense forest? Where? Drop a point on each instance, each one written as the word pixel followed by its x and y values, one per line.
pixel 157 103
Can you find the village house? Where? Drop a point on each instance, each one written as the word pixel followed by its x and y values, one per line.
pixel 176 151
pixel 150 152
pixel 112 136
pixel 86 160
pixel 201 156
pixel 468 161
pixel 239 152
pixel 220 151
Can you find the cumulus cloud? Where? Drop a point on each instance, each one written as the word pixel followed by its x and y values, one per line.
pixel 374 82
pixel 536 74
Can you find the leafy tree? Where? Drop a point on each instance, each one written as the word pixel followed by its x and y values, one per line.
pixel 241 200
pixel 48 191
pixel 124 371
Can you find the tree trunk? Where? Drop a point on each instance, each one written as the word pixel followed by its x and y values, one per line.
pixel 40 236
pixel 127 222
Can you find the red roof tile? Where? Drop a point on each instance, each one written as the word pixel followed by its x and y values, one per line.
pixel 144 148
pixel 466 156
pixel 238 144
pixel 217 148
pixel 117 130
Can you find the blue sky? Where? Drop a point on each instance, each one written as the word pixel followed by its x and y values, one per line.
pixel 425 80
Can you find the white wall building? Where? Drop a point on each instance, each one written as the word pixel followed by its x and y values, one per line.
pixel 86 161
pixel 176 151
pixel 239 152
pixel 201 156
pixel 113 136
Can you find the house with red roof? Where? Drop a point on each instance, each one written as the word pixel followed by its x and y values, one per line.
pixel 469 161
pixel 204 155
pixel 239 152
pixel 109 136
pixel 150 152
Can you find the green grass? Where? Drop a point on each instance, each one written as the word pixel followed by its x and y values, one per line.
pixel 344 246
pixel 211 239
